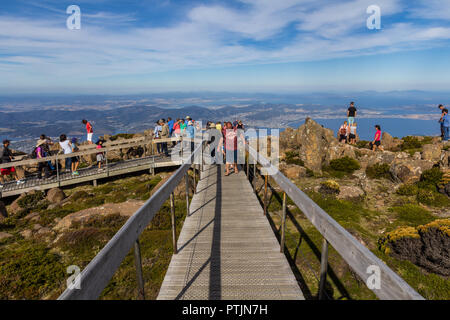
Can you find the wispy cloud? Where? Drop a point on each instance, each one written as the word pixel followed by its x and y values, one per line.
pixel 42 49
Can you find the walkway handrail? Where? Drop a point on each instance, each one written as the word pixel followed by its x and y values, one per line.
pixel 97 274
pixel 357 256
pixel 84 152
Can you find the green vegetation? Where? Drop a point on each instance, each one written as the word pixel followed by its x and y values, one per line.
pixel 293 158
pixel 412 215
pixel 362 144
pixel 407 190
pixel 413 144
pixel 35 269
pixel 342 167
pixel 378 171
pixel 29 270
pixel 329 187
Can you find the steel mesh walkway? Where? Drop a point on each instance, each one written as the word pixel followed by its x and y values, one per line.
pixel 227 249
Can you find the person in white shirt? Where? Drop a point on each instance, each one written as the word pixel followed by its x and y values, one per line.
pixel 67 148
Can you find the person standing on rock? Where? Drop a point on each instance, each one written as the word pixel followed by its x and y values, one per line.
pixel 351 113
pixel 7 156
pixel 352 134
pixel 343 132
pixel 89 129
pixel 441 120
pixel 376 143
pixel 446 125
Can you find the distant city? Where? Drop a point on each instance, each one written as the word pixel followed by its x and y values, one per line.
pixel 401 113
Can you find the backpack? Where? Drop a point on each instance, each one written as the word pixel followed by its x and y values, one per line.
pixel 33 154
pixel 343 131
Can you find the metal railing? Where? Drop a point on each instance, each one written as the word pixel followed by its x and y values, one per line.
pixel 97 274
pixel 86 150
pixel 360 259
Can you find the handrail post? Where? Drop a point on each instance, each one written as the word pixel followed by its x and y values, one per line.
pixel 57 170
pixel 195 173
pixel 283 224
pixel 138 265
pixel 106 160
pixel 323 268
pixel 174 227
pixel 265 194
pixel 248 166
pixel 187 193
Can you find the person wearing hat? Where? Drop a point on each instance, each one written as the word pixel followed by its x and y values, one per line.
pixel 41 152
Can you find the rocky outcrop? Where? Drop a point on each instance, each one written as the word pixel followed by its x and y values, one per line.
pixel 125 209
pixel 313 143
pixel 409 171
pixel 293 171
pixel 431 152
pixel 390 143
pixel 55 195
pixel 349 192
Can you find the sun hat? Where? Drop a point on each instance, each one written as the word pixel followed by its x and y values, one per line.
pixel 40 142
pixel 188 118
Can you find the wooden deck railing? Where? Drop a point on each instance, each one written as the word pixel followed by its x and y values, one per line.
pixel 357 256
pixel 95 277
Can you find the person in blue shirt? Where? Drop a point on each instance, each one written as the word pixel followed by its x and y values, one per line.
pixel 170 123
pixel 190 133
pixel 446 124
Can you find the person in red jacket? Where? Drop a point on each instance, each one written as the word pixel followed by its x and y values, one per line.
pixel 90 131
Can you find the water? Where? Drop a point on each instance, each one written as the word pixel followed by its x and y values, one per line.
pixel 395 127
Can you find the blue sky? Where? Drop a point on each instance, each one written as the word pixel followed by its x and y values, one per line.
pixel 139 46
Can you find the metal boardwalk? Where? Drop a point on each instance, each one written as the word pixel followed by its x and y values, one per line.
pixel 227 249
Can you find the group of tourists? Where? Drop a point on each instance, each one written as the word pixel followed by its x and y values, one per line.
pixel 347 131
pixel 46 169
pixel 174 129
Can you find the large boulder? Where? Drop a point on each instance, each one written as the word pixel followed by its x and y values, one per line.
pixel 349 192
pixel 408 170
pixel 390 143
pixel 294 171
pixel 55 195
pixel 312 142
pixel 431 152
pixel 14 207
pixel 125 209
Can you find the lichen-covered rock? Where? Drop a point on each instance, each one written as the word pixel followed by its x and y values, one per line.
pixel 329 187
pixel 390 143
pixel 293 171
pixel 349 192
pixel 408 170
pixel 431 152
pixel 312 142
pixel 427 246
